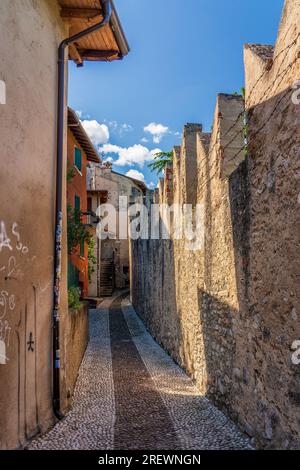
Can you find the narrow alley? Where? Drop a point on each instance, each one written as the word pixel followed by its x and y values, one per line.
pixel 131 395
pixel 149 231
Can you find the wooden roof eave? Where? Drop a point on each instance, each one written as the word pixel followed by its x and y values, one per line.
pixel 107 44
pixel 81 136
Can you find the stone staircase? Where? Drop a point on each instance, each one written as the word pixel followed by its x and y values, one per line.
pixel 106 278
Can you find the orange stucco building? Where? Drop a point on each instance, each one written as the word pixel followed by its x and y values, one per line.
pixel 80 152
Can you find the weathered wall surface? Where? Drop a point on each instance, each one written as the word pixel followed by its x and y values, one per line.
pixel 229 311
pixel 30 32
pixel 274 234
pixel 76 338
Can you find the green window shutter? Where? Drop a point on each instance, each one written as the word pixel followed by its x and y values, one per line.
pixel 78 158
pixel 77 203
pixel 82 249
pixel 73 275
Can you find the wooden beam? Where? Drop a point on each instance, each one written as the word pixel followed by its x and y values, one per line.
pixel 75 55
pixel 91 54
pixel 79 14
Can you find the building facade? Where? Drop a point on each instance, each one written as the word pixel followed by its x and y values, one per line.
pixel 30 34
pixel 80 152
pixel 105 186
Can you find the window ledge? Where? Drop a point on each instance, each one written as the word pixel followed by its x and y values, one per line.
pixel 78 170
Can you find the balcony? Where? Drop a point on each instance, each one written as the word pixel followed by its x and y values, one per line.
pixel 89 219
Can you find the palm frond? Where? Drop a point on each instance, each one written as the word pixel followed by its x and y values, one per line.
pixel 161 160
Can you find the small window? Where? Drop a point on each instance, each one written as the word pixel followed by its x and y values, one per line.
pixel 77 203
pixel 78 158
pixel 82 249
pixel 135 192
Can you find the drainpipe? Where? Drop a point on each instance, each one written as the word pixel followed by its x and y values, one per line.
pixel 106 9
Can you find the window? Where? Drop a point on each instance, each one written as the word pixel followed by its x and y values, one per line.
pixel 73 275
pixel 89 204
pixel 77 203
pixel 78 158
pixel 82 249
pixel 135 192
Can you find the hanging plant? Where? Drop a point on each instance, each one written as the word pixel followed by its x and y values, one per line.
pixel 74 294
pixel 77 232
pixel 92 260
pixel 70 173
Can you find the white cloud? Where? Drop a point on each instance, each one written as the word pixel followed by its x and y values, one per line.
pixel 82 115
pixel 98 133
pixel 126 127
pixel 151 185
pixel 136 175
pixel 111 124
pixel 158 131
pixel 135 155
pixel 144 140
pixel 116 127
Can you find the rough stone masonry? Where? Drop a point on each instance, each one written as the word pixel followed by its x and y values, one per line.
pixel 229 313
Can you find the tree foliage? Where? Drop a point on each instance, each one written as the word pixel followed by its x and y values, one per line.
pixel 161 160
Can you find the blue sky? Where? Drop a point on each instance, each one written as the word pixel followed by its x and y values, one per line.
pixel 183 53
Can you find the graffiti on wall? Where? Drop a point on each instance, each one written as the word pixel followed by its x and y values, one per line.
pixel 18 262
pixel 22 288
pixel 11 244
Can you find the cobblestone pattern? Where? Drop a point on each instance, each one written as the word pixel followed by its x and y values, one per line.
pixel 199 424
pixel 131 395
pixel 90 424
pixel 142 419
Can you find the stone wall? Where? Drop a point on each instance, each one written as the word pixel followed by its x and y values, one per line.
pixel 228 312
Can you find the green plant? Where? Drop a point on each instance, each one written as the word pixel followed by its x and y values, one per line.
pixel 92 260
pixel 243 92
pixel 74 298
pixel 70 173
pixel 161 160
pixel 77 232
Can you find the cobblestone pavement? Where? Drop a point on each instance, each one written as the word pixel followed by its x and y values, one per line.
pixel 131 395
